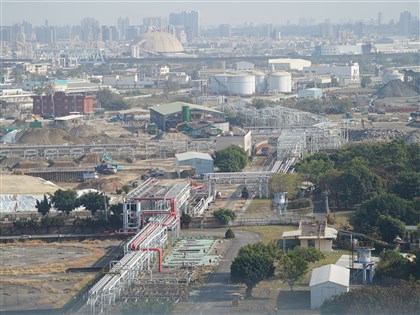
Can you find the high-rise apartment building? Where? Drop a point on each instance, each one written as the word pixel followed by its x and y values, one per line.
pixel 189 20
pixel 406 23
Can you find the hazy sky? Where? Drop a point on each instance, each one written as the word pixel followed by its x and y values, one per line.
pixel 212 12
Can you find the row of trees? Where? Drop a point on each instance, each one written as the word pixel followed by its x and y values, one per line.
pixel 379 180
pixel 257 262
pixel 110 100
pixel 67 200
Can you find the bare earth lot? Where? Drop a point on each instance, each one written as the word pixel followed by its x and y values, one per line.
pixel 33 275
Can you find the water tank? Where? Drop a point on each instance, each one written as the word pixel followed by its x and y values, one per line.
pixel 241 84
pixel 260 82
pixel 280 82
pixel 390 75
pixel 364 254
pixel 186 113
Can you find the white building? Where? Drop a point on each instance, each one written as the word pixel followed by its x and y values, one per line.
pixel 244 66
pixel 390 75
pixel 346 73
pixel 326 282
pixel 318 235
pixel 289 64
pixel 333 50
pixel 243 141
pixel 121 81
pixel 310 93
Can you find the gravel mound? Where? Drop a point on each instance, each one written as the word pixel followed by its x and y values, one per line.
pixel 397 88
pixel 367 135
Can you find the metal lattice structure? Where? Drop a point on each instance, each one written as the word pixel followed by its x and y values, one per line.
pixel 277 117
pixel 150 211
pixel 83 55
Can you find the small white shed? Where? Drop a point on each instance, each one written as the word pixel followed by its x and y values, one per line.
pixel 327 281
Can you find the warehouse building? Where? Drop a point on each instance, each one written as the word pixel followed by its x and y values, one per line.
pixel 171 115
pixel 200 163
pixel 61 104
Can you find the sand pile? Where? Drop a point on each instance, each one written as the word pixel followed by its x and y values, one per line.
pixel 106 184
pixel 172 136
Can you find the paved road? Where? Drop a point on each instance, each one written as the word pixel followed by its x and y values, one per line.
pixel 214 297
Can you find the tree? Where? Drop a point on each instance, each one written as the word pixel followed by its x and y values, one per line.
pixel 284 183
pixel 43 206
pixel 58 223
pixel 255 262
pixel 231 159
pixel 309 254
pixel 364 219
pixel 64 200
pixel 224 215
pixel 125 188
pixel 185 220
pixel 245 193
pixel 407 185
pixel 400 299
pixel 47 222
pixel 110 100
pixel 229 233
pixel 292 269
pixel 390 228
pixel 20 225
pixel 366 80
pixel 115 217
pixel 94 201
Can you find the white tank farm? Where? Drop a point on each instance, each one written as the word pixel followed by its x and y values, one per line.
pixel 392 75
pixel 260 81
pixel 280 82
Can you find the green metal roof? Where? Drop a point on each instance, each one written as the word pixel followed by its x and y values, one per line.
pixel 175 107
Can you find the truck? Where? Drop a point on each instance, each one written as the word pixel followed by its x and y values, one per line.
pixel 106 168
pixel 86 176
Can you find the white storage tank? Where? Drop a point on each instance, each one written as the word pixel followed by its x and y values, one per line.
pixel 241 84
pixel 219 84
pixel 260 81
pixel 280 82
pixel 390 75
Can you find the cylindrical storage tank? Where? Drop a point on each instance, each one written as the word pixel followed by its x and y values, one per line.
pixel 218 84
pixel 280 82
pixel 241 84
pixel 260 82
pixel 391 75
pixel 186 116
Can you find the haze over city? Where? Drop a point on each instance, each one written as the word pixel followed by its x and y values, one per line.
pixel 211 12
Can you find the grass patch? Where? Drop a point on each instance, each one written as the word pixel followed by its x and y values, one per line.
pixel 260 207
pixel 268 233
pixel 342 217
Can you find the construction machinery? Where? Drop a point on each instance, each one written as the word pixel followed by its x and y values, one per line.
pixel 364 122
pixel 108 165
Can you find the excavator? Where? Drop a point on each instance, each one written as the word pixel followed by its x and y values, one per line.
pixel 367 122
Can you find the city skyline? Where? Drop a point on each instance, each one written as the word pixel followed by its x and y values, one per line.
pixel 212 13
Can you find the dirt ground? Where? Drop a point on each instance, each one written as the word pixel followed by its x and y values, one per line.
pixel 34 275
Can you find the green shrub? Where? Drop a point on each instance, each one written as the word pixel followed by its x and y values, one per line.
pixel 229 234
pixel 309 254
pixel 224 216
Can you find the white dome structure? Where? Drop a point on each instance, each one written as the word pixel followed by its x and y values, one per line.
pixel 157 42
